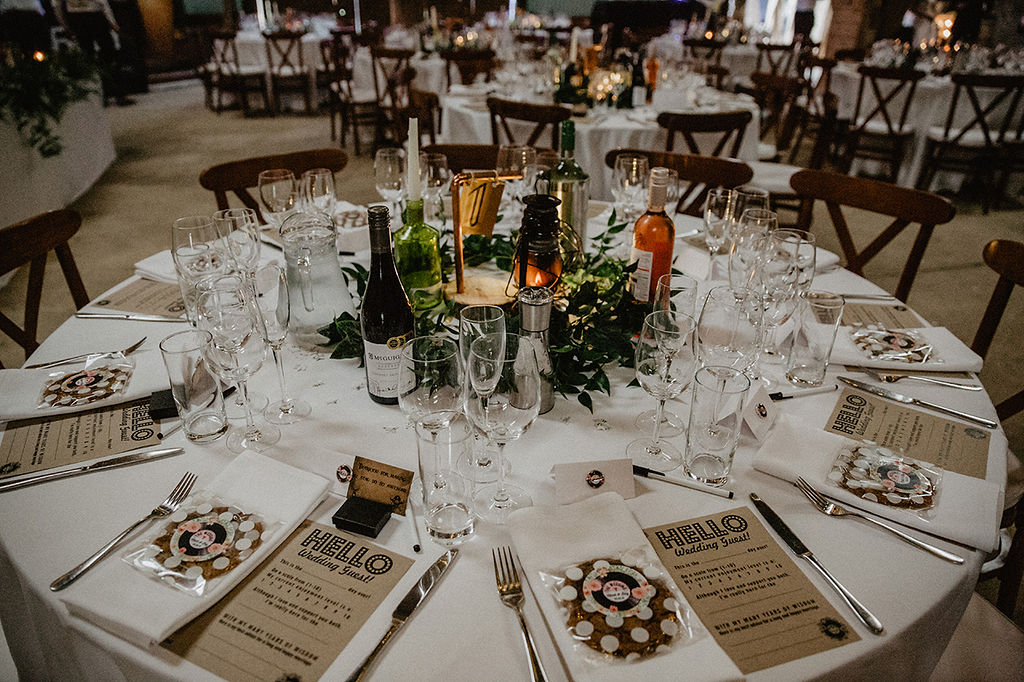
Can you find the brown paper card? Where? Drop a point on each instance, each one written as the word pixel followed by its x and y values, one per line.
pixel 146 297
pixel 293 616
pixel 954 446
pixel 31 445
pixel 754 600
pixel 381 483
pixel 478 205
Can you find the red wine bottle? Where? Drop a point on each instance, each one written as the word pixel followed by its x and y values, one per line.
pixel 386 318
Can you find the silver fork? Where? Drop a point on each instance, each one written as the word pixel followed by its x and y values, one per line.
pixel 510 590
pixel 165 508
pixel 826 506
pixel 75 358
pixel 893 378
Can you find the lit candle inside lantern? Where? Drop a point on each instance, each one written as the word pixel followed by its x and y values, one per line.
pixel 412 181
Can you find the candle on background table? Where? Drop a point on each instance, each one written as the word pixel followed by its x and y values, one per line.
pixel 574 44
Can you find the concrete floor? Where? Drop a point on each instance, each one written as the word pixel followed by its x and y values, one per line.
pixel 167 138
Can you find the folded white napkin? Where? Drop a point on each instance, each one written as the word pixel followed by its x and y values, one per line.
pixel 159 267
pixel 22 388
pixel 122 600
pixel 950 354
pixel 967 511
pixel 548 538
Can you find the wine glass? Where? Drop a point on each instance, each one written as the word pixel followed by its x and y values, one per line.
pixel 629 182
pixel 239 232
pixel 476 321
pixel 665 360
pixel 503 399
pixel 513 160
pixel 388 174
pixel 729 328
pixel 779 276
pixel 748 245
pixel 432 394
pixel 272 300
pixel 318 190
pixel 801 244
pixel 717 214
pixel 194 249
pixel 278 192
pixel 236 352
pixel 435 176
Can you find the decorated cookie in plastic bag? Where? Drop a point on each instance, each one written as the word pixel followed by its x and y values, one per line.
pixel 891 345
pixel 85 386
pixel 619 609
pixel 877 474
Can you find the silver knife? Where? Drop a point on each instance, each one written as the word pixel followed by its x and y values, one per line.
pixel 800 549
pixel 907 400
pixel 869 297
pixel 135 317
pixel 405 608
pixel 123 460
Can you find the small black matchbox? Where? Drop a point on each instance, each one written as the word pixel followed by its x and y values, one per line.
pixel 362 516
pixel 161 406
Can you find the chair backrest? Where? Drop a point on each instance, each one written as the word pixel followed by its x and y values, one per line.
pixel 469 64
pixel 28 243
pixel 544 115
pixel 387 62
pixel 905 206
pixel 705 50
pixel 699 173
pixel 397 111
pixel 993 100
pixel 776 59
pixel 893 93
pixel 776 95
pixel 225 53
pixel 727 124
pixel 239 176
pixel 284 53
pixel 853 54
pixel 816 73
pixel 715 75
pixel 1006 258
pixel 426 106
pixel 466 156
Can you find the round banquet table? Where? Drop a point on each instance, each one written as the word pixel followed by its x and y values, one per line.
pixel 462 632
pixel 467 121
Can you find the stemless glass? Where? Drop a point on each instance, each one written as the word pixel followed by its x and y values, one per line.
pixel 236 352
pixel 503 400
pixel 272 300
pixel 476 321
pixel 629 183
pixel 388 172
pixel 717 214
pixel 278 192
pixel 194 248
pixel 729 328
pixel 318 190
pixel 432 394
pixel 435 176
pixel 239 231
pixel 665 359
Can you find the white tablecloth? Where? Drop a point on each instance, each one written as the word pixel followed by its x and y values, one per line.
pixel 463 632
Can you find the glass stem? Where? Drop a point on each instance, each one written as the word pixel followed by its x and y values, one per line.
pixel 251 432
pixel 500 496
pixel 770 347
pixel 286 400
pixel 659 415
pixel 439 481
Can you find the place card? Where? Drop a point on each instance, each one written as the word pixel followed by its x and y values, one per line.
pixel 293 616
pixel 760 412
pixel 953 446
pixel 146 297
pixel 887 315
pixel 751 596
pixel 580 480
pixel 381 483
pixel 31 445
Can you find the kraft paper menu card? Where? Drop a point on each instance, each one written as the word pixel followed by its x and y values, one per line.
pixel 749 593
pixel 32 445
pixel 953 446
pixel 294 614
pixel 146 297
pixel 890 316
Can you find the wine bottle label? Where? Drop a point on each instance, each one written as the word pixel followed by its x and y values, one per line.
pixel 640 279
pixel 383 361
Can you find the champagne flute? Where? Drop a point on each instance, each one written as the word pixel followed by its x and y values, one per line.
pixel 278 193
pixel 476 321
pixel 729 328
pixel 665 360
pixel 238 229
pixel 272 300
pixel 432 394
pixel 236 352
pixel 194 249
pixel 435 179
pixel 717 214
pixel 318 190
pixel 802 245
pixel 503 400
pixel 629 183
pixel 388 173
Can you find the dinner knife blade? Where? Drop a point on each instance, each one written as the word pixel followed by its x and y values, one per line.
pixel 800 549
pixel 113 463
pixel 410 602
pixel 907 400
pixel 134 317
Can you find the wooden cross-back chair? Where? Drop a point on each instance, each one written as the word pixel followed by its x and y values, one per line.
pixel 882 133
pixel 394 119
pixel 426 106
pixel 774 58
pixel 544 115
pixel 905 206
pixel 697 174
pixel 288 71
pixel 387 62
pixel 466 156
pixel 469 64
pixel 706 50
pixel 230 76
pixel 974 143
pixel 816 73
pixel 28 243
pixel 776 95
pixel 1006 258
pixel 727 125
pixel 238 177
pixel 354 107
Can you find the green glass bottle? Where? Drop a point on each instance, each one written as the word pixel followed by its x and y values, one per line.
pixel 570 183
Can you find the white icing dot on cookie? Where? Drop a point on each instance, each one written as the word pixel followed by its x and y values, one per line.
pixel 663 649
pixel 172 562
pixel 194 572
pixel 602 564
pixel 573 573
pixel 244 543
pixel 632 656
pixel 589 606
pixel 253 535
pixel 669 627
pixel 221 563
pixel 652 572
pixel 639 635
pixel 609 643
pixel 244 555
pixel 614 620
pixel 671 604
pixel 226 517
pixel 567 593
pixel 179 516
pixel 246 526
pixel 644 613
pixel 204 508
pixel 584 628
